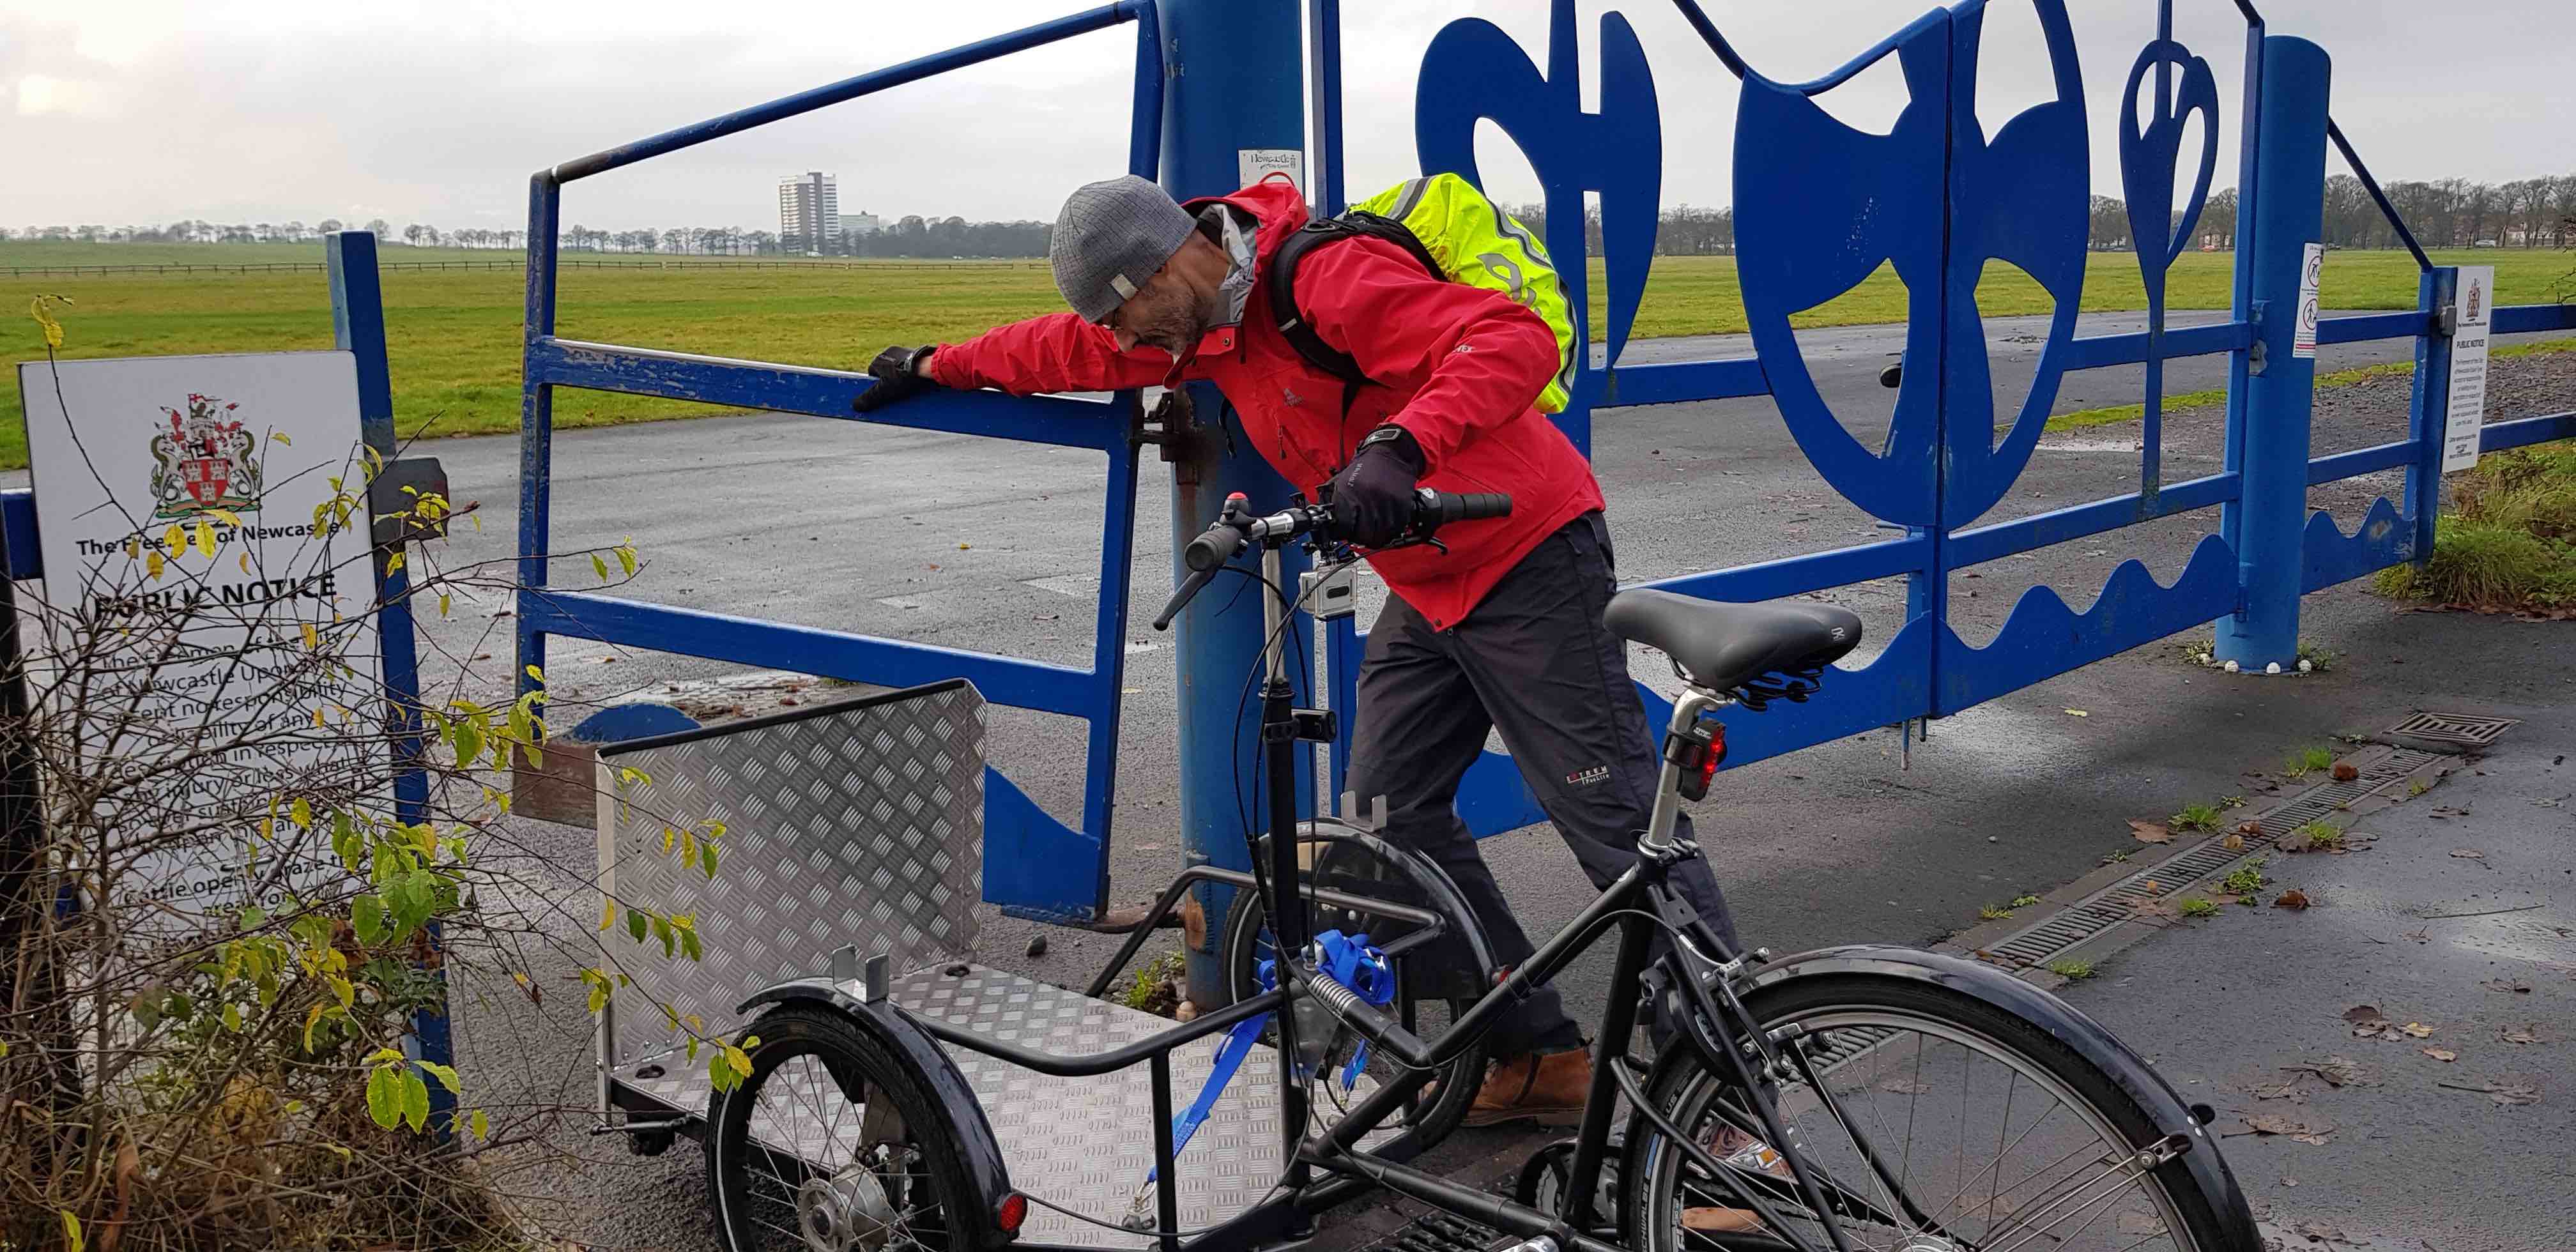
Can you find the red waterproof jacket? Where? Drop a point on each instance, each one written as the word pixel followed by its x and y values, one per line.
pixel 1460 368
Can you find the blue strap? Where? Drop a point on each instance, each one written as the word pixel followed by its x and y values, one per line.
pixel 1348 960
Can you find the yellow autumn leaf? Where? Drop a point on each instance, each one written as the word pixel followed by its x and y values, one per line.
pixel 442 604
pixel 280 436
pixel 152 563
pixel 394 563
pixel 607 914
pixel 174 540
pixel 53 332
pixel 205 537
pixel 245 562
pixel 226 516
pixel 312 637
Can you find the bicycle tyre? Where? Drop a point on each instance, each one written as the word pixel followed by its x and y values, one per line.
pixel 1652 1215
pixel 746 1183
pixel 1245 942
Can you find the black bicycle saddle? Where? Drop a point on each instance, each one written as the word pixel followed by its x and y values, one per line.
pixel 1723 646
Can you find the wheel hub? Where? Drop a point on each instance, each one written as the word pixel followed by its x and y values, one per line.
pixel 1927 1243
pixel 847 1212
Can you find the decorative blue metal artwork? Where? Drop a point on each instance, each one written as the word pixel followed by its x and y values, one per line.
pixel 1474 72
pixel 2148 155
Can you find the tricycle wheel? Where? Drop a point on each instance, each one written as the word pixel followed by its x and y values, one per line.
pixel 829 1145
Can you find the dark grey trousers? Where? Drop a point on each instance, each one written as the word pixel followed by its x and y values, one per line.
pixel 1534 661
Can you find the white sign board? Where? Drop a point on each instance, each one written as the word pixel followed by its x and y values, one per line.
pixel 175 499
pixel 2467 409
pixel 1255 164
pixel 2312 271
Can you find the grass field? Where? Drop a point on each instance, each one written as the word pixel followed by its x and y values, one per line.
pixel 455 334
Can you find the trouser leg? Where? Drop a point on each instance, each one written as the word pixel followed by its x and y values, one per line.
pixel 1418 726
pixel 1555 681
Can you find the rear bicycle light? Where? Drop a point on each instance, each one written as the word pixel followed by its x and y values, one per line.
pixel 1013 1210
pixel 1699 754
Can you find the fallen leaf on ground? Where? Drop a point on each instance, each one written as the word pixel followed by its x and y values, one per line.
pixel 2249 828
pixel 2417 1029
pixel 2501 1093
pixel 2135 1223
pixel 2233 843
pixel 2149 832
pixel 2444 1055
pixel 2317 1233
pixel 1900 1086
pixel 2421 936
pixel 2291 899
pixel 2288 1181
pixel 2283 1124
pixel 2362 1013
pixel 2077 713
pixel 2468 854
pixel 2345 771
pixel 2527 1033
pixel 2285 1091
pixel 2507 986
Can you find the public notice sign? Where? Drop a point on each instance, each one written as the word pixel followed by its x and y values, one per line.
pixel 213 607
pixel 2467 409
pixel 2312 273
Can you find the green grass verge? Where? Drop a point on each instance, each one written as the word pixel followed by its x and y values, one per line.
pixel 456 334
pixel 2508 543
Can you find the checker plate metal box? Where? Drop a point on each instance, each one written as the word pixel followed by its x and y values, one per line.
pixel 858 822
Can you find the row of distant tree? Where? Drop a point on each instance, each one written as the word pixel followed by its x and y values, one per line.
pixel 2449 213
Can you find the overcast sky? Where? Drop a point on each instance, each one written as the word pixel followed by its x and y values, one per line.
pixel 141 111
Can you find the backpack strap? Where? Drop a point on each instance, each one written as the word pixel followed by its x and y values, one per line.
pixel 1291 317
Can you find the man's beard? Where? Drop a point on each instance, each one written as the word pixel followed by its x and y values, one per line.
pixel 1175 330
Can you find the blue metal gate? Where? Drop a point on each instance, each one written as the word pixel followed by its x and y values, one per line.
pixel 1821 206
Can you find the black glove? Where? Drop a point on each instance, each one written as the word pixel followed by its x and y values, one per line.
pixel 1373 495
pixel 899 376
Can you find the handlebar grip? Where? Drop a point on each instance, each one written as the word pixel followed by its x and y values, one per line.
pixel 1434 509
pixel 1214 547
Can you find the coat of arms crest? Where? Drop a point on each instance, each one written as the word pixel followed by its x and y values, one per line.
pixel 2477 302
pixel 204 461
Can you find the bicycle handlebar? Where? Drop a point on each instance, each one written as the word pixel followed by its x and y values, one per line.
pixel 1236 526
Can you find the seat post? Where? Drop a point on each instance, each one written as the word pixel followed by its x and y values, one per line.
pixel 1695 703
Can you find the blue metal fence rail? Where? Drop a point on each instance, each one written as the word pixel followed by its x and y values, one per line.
pixel 1028 852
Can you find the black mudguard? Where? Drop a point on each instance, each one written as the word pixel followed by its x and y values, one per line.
pixel 929 1065
pixel 2086 1037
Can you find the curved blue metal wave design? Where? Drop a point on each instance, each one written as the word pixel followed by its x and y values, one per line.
pixel 1474 72
pixel 1892 688
pixel 2043 636
pixel 2328 556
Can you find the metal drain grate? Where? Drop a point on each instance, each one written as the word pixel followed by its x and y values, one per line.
pixel 2119 902
pixel 2460 728
pixel 1438 1232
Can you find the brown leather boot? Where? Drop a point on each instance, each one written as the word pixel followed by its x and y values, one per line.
pixel 1549 1089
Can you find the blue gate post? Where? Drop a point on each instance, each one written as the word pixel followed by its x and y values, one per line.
pixel 358 328
pixel 1232 82
pixel 2268 416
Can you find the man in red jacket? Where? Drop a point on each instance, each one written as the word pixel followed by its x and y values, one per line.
pixel 1503 631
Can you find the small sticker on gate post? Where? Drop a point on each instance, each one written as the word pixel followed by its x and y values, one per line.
pixel 1255 164
pixel 2312 267
pixel 2466 409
